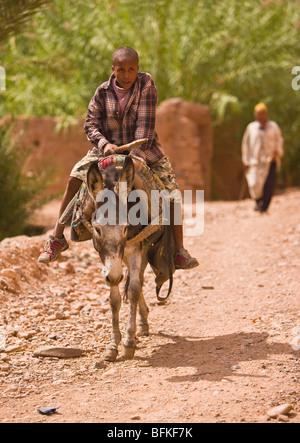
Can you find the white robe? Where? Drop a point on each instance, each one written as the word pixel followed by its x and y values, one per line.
pixel 259 147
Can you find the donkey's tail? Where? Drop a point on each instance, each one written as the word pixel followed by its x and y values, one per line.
pixel 170 257
pixel 125 295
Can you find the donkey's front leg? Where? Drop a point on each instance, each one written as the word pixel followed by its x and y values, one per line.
pixel 143 325
pixel 134 294
pixel 111 352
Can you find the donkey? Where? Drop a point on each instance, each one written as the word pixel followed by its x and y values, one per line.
pixel 110 241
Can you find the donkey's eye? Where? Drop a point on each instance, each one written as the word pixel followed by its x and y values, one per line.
pixel 125 230
pixel 98 230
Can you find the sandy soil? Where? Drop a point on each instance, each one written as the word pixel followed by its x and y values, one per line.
pixel 223 349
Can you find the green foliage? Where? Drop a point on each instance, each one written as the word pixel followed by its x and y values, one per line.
pixel 20 193
pixel 228 54
pixel 15 13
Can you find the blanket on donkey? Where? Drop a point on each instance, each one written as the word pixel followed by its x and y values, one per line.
pixel 77 212
pixel 157 238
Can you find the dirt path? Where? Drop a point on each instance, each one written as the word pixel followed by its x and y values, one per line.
pixel 221 350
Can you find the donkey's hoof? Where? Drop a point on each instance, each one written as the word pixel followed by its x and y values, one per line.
pixel 110 355
pixel 128 353
pixel 143 331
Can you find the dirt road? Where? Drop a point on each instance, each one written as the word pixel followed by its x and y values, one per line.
pixel 223 349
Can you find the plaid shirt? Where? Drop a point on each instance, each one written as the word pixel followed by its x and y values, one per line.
pixel 103 124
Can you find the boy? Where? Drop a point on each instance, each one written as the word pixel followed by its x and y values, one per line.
pixel 121 111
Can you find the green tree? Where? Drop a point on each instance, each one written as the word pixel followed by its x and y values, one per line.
pixel 21 193
pixel 228 54
pixel 15 13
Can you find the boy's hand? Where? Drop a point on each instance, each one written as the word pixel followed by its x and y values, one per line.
pixel 109 149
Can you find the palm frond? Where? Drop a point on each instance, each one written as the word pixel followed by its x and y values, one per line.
pixel 15 13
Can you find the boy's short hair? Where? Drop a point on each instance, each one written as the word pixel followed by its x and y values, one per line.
pixel 123 52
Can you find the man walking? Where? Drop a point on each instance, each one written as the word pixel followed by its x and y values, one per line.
pixel 262 149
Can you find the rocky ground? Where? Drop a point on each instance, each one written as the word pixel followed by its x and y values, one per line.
pixel 223 349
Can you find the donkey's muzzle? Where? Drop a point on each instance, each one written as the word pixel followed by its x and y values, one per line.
pixel 113 280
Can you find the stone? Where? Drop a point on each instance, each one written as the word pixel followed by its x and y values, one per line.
pixel 5 367
pixel 104 309
pixel 109 373
pixel 264 418
pixel 283 418
pixel 12 388
pixel 87 311
pixel 235 367
pixel 59 315
pixel 33 313
pixel 284 409
pixel 135 417
pixel 5 284
pixel 67 267
pixel 93 297
pixel 18 271
pixel 78 306
pixel 10 273
pixel 11 331
pixel 48 411
pixel 26 334
pixel 14 348
pixel 59 352
pixel 100 365
pixel 52 337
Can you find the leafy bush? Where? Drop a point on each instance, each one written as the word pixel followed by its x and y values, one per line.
pixel 20 194
pixel 15 13
pixel 229 54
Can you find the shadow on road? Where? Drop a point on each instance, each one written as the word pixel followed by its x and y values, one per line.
pixel 215 358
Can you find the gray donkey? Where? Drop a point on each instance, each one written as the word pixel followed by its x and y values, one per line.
pixel 111 241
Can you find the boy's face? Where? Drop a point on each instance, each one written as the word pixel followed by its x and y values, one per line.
pixel 125 71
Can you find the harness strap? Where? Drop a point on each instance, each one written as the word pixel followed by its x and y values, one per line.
pixel 146 181
pixel 143 235
pixel 149 182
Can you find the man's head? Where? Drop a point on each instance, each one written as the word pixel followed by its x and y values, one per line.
pixel 261 113
pixel 125 66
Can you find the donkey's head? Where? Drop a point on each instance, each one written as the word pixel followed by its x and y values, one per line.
pixel 109 224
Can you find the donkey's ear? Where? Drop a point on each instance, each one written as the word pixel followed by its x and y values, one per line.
pixel 94 180
pixel 126 175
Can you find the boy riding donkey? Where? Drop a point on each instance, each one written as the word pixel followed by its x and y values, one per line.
pixel 121 111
